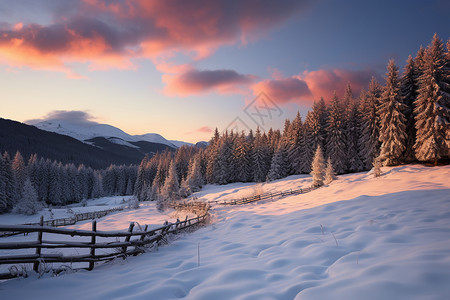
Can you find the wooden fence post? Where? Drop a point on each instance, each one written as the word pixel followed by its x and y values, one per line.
pixel 127 239
pixel 94 229
pixel 145 230
pixel 38 249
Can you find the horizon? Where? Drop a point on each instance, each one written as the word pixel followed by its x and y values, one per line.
pixel 125 65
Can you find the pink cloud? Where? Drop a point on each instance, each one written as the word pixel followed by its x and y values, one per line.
pixel 323 83
pixel 205 129
pixel 284 90
pixel 311 85
pixel 108 33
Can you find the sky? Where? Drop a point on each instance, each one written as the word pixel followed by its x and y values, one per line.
pixel 182 68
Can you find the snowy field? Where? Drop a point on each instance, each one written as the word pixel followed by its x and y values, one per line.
pixel 358 238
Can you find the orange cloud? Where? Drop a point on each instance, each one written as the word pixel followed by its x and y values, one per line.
pixel 108 33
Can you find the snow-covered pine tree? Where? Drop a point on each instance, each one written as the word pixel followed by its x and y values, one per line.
pixel 419 60
pixel 351 130
pixel 28 203
pixel 261 157
pixel 171 186
pixel 3 198
pixel 129 189
pixel 316 124
pixel 184 190
pixel 7 183
pixel 408 92
pixel 318 168
pixel 140 180
pixel 335 135
pixel 392 120
pixel 195 179
pixel 20 174
pixel 242 159
pixel 211 157
pixel 377 166
pixel 97 189
pixel 432 107
pixel 368 141
pixel 330 175
pixel 279 167
pixel 295 151
pixel 307 143
pixel 55 189
pixel 224 172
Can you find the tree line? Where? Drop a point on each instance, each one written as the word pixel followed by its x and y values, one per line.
pixel 29 186
pixel 402 121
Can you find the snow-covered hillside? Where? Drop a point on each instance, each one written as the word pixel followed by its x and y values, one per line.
pixel 358 238
pixel 87 131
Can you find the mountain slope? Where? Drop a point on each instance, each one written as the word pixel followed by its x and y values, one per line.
pixel 90 130
pixel 30 140
pixel 359 237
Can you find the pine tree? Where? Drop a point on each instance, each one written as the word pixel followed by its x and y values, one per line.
pixel 97 189
pixel 184 190
pixel 212 154
pixel 377 166
pixel 224 172
pixel 392 120
pixel 329 172
pixel 28 203
pixel 7 184
pixel 335 136
pixel 351 129
pixel 55 189
pixel 432 111
pixel 194 179
pixel 242 159
pixel 3 198
pixel 19 173
pixel 171 187
pixel 318 168
pixel 295 151
pixel 280 164
pixel 368 141
pixel 408 92
pixel 261 157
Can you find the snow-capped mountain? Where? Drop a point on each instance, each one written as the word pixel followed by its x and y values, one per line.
pixel 87 131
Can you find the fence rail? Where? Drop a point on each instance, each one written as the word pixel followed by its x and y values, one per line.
pixel 133 242
pixel 264 196
pixel 68 221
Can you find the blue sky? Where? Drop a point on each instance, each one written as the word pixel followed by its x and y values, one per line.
pixel 183 68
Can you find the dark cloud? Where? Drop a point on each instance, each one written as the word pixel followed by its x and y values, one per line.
pixel 196 81
pixel 76 117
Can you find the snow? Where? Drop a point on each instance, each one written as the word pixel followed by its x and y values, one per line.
pixel 358 238
pixel 178 144
pixel 89 130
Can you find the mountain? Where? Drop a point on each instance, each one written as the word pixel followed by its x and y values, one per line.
pixel 89 130
pixel 95 151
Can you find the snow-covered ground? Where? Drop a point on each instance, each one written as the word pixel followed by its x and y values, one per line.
pixel 358 238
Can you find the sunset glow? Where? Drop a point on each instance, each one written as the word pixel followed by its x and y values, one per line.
pixel 181 68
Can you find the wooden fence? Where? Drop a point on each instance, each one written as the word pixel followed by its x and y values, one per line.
pixel 264 196
pixel 133 242
pixel 69 221
pixel 196 207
